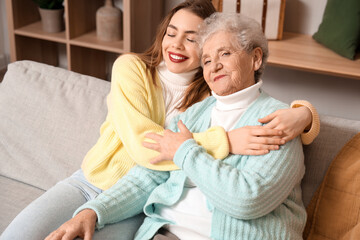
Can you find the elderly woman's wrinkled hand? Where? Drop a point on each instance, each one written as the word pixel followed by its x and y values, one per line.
pixel 291 121
pixel 82 225
pixel 168 144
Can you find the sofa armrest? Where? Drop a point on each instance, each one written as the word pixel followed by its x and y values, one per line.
pixel 334 134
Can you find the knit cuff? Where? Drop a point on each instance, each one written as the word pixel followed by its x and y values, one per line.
pixel 99 210
pixel 309 136
pixel 182 152
pixel 215 141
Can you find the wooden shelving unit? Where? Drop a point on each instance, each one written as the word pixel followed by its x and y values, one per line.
pixel 301 52
pixel 84 52
pixel 87 55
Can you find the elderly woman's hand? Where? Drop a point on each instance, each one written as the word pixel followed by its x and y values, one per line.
pixel 254 140
pixel 82 225
pixel 168 144
pixel 292 121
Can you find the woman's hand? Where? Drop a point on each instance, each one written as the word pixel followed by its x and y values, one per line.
pixel 82 225
pixel 168 144
pixel 292 121
pixel 254 140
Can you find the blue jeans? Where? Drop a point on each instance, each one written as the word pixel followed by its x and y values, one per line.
pixel 57 206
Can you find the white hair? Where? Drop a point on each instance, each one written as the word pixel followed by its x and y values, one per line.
pixel 248 32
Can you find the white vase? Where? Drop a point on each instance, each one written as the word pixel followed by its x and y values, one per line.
pixel 109 22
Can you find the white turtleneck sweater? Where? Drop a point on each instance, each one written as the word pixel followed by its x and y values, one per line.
pixel 228 109
pixel 173 87
pixel 191 214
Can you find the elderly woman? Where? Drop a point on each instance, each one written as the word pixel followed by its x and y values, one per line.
pixel 240 197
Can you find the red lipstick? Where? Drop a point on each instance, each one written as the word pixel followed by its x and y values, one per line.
pixel 177 58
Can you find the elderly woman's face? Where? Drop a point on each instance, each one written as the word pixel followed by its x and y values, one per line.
pixel 179 47
pixel 228 68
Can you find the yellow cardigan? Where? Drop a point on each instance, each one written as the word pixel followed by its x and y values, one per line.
pixel 136 107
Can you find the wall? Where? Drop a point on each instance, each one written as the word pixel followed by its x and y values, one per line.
pixel 4 42
pixel 331 95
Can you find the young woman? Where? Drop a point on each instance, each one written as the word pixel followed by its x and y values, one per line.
pixel 147 90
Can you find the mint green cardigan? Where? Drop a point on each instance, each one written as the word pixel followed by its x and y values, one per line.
pixel 251 197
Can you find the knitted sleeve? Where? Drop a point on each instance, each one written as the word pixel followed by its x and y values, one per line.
pixel 308 136
pixel 135 107
pixel 214 139
pixel 244 187
pixel 126 198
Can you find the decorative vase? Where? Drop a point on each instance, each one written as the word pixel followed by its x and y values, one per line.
pixel 108 22
pixel 52 20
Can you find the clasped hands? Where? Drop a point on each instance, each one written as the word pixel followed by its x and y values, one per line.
pixel 280 127
pixel 248 140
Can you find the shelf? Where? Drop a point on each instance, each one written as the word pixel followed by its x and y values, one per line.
pixel 34 30
pixel 81 58
pixel 39 50
pixel 301 52
pixel 83 51
pixel 91 41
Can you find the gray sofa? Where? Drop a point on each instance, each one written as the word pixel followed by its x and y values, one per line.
pixel 50 117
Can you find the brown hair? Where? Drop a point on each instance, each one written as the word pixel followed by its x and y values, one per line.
pixel 152 57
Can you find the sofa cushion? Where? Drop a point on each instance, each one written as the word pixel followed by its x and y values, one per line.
pixel 50 117
pixel 334 211
pixel 334 134
pixel 14 197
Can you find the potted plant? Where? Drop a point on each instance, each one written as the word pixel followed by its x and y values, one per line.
pixel 51 12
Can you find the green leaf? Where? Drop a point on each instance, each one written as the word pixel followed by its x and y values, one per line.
pixel 50 4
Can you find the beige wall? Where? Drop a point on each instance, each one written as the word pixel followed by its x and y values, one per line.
pixel 4 42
